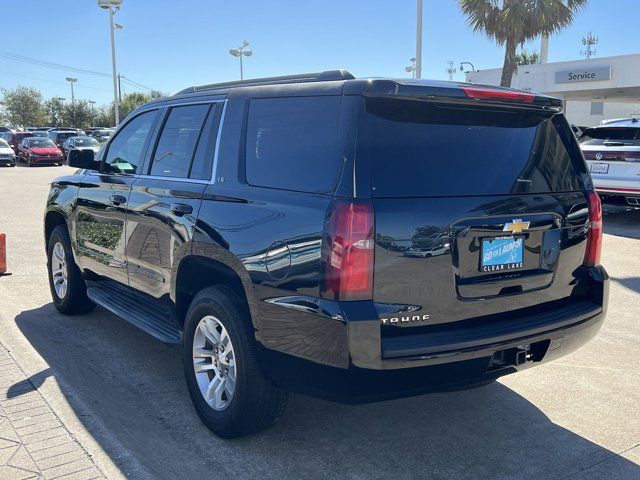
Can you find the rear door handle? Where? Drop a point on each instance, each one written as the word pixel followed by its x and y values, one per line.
pixel 181 209
pixel 118 199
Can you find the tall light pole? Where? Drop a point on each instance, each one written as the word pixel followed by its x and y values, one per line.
pixel 240 52
pixel 113 6
pixel 411 68
pixel 419 42
pixel 71 81
pixel 93 111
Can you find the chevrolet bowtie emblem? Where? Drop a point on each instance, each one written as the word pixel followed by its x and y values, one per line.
pixel 516 226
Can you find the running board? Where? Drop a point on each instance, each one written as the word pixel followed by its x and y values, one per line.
pixel 146 314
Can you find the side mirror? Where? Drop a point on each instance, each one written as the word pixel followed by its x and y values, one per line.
pixel 83 159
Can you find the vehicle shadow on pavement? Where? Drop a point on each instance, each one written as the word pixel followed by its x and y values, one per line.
pixel 622 221
pixel 134 387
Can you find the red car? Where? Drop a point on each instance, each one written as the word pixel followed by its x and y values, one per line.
pixel 39 150
pixel 14 138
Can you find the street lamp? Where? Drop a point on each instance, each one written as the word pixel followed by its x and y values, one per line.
pixel 71 81
pixel 113 6
pixel 411 68
pixel 240 52
pixel 93 111
pixel 462 64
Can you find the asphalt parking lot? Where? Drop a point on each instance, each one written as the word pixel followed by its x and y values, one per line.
pixel 121 394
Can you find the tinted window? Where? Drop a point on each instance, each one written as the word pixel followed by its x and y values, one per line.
pixel 177 142
pixel 125 151
pixel 85 142
pixel 292 143
pixel 419 148
pixel 613 135
pixel 203 159
pixel 41 142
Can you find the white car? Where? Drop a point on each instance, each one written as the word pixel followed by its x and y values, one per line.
pixel 7 155
pixel 612 151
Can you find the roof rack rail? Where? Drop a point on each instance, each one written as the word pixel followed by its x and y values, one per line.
pixel 326 76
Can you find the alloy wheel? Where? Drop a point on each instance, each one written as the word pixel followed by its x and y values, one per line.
pixel 214 362
pixel 59 270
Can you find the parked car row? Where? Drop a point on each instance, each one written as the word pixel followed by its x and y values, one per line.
pixel 37 146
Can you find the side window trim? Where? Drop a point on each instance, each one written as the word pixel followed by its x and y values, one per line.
pixel 158 135
pixel 155 137
pixel 121 127
pixel 214 167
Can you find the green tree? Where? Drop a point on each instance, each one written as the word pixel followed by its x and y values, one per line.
pixel 526 58
pixel 24 107
pixel 514 22
pixel 104 116
pixel 78 114
pixel 54 108
pixel 131 101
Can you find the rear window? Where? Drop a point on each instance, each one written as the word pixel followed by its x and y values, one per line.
pixel 611 135
pixel 419 148
pixel 65 135
pixel 292 143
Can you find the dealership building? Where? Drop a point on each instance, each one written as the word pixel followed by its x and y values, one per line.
pixel 593 90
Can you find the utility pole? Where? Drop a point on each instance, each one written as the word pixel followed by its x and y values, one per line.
pixel 418 71
pixel 119 89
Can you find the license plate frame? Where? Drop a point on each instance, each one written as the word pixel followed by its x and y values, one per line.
pixel 501 254
pixel 599 168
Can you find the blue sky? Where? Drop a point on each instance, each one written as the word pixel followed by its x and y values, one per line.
pixel 168 45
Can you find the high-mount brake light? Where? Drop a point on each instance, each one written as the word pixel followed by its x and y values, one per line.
pixel 504 95
pixel 348 251
pixel 594 234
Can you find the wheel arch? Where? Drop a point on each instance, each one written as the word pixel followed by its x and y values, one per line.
pixel 52 219
pixel 196 272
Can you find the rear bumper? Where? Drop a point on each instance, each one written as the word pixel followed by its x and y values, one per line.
pixel 379 368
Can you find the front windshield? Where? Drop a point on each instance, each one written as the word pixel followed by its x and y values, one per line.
pixel 86 142
pixel 3 143
pixel 41 143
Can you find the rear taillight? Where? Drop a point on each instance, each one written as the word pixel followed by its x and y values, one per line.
pixel 348 251
pixel 504 95
pixel 594 234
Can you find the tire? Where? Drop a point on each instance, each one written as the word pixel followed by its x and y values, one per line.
pixel 255 403
pixel 72 299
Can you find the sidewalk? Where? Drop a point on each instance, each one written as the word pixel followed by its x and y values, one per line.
pixel 34 443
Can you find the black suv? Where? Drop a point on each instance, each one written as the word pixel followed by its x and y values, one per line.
pixel 271 225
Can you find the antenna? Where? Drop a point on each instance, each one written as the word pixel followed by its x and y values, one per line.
pixel 451 70
pixel 588 41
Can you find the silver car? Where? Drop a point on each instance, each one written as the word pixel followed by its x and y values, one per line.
pixel 612 151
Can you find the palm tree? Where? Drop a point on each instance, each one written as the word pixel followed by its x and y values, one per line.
pixel 514 22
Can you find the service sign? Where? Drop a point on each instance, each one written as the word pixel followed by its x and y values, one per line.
pixel 589 74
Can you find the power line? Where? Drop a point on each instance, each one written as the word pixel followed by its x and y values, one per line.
pixel 51 81
pixel 135 84
pixel 58 66
pixel 42 63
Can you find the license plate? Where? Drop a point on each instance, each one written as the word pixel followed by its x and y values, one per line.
pixel 600 168
pixel 502 253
